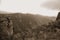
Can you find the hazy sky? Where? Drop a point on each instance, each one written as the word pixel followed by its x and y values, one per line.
pixel 26 6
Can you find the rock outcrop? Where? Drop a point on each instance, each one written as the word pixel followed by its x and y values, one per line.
pixel 57 22
pixel 6 29
pixel 58 17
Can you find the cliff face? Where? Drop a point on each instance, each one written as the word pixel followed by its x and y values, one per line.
pixel 58 16
pixel 57 21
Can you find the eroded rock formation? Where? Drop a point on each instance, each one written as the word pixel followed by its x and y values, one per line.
pixel 6 29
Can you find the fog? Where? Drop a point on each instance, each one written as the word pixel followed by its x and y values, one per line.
pixel 26 6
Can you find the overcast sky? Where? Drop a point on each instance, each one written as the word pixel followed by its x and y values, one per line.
pixel 26 6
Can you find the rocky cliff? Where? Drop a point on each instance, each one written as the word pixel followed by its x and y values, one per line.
pixel 22 26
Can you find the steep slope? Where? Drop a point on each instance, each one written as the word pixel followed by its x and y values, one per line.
pixel 23 25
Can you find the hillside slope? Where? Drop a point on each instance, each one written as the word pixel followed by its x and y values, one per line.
pixel 20 26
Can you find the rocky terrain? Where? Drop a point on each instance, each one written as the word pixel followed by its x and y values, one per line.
pixel 18 26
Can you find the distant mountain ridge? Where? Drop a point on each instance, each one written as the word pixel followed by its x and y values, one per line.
pixel 36 17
